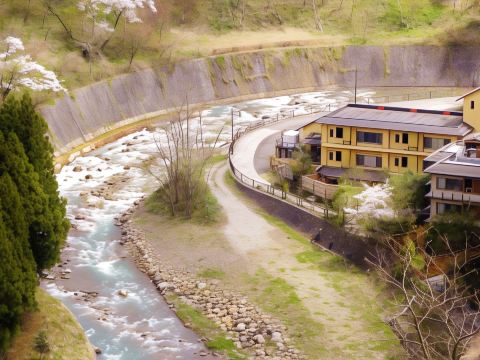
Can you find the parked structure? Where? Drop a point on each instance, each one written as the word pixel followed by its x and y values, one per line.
pixel 455 171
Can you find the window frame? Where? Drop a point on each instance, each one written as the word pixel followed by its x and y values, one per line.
pixel 337 130
pixel 405 138
pixel 404 161
pixel 378 160
pixel 361 135
pixel 451 179
pixel 338 156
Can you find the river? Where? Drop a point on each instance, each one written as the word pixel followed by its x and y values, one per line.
pixel 94 267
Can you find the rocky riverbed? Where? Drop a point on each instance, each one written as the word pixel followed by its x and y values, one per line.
pixel 252 330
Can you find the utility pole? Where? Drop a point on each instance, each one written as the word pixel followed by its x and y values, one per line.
pixel 356 70
pixel 232 124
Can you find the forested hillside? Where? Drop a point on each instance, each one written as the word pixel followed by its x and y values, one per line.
pixel 88 40
pixel 32 215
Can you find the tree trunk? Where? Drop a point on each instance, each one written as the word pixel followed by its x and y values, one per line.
pixel 318 23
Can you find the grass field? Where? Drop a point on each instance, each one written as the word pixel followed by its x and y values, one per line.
pixel 66 337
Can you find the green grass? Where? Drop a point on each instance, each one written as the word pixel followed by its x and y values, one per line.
pixel 216 338
pixel 218 158
pixel 207 211
pixel 211 273
pixel 277 297
pixel 65 335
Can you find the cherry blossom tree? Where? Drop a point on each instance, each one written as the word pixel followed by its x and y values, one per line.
pixel 106 14
pixel 18 70
pixel 374 202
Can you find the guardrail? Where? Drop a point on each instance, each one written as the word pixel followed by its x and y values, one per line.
pixel 266 188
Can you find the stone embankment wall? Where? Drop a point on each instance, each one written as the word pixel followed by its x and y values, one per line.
pixel 92 110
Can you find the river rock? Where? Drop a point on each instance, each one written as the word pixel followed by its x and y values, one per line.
pixel 259 339
pixel 240 327
pixel 164 285
pixel 77 168
pixel 277 337
pixel 97 350
pixel 122 292
pixel 201 285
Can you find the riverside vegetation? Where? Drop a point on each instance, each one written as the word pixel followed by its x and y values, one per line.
pixel 33 226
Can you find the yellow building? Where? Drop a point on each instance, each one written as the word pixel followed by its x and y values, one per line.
pixel 471 108
pixel 380 139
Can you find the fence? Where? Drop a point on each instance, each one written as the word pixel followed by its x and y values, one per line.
pixel 281 194
pixel 267 188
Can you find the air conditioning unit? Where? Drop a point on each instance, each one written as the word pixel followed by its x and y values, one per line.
pixel 468 190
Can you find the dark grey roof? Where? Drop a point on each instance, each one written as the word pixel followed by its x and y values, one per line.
pixel 401 119
pixel 454 168
pixel 312 141
pixel 361 175
pixel 438 156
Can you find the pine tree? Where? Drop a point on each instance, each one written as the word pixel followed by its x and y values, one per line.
pixel 41 344
pixel 49 226
pixel 43 242
pixel 17 267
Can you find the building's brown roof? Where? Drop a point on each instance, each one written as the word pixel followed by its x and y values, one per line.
pixel 401 119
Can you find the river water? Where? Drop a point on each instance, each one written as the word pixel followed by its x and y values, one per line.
pixel 94 267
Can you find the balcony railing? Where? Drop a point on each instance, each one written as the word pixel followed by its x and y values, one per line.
pixel 462 197
pixel 286 145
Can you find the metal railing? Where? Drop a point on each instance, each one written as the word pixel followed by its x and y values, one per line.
pixel 266 188
pixel 279 193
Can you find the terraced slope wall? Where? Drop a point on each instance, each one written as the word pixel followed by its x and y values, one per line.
pixel 90 111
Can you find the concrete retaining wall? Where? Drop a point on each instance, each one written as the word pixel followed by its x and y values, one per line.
pixel 90 111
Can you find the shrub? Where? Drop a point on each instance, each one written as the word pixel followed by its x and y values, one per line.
pixel 459 229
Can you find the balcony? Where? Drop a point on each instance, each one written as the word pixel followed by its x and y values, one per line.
pixel 464 198
pixel 312 184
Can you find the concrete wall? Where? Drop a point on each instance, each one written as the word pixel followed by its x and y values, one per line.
pixel 90 111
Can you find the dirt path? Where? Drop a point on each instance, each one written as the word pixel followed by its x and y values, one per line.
pixel 350 316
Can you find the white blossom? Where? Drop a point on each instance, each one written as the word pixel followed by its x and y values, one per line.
pixel 99 8
pixel 19 70
pixel 374 202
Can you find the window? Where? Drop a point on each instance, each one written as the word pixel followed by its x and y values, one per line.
pixel 404 161
pixel 443 208
pixel 397 138
pixel 330 155
pixel 434 143
pixel 339 133
pixel 397 162
pixel 369 161
pixel 369 137
pixel 472 105
pixel 404 138
pixel 338 156
pixel 450 184
pixel 331 132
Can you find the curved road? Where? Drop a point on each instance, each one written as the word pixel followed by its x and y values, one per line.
pixel 252 151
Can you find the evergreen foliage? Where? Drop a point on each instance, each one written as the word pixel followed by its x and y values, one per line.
pixel 32 214
pixel 41 344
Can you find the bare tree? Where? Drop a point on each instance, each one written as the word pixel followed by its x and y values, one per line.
pixel 183 156
pixel 435 319
pixel 316 17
